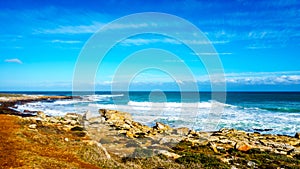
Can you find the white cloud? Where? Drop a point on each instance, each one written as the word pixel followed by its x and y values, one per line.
pixel 126 26
pixel 213 54
pixel 13 61
pixel 264 78
pixel 89 29
pixel 204 42
pixel 65 41
pixel 79 29
pixel 174 61
pixel 143 41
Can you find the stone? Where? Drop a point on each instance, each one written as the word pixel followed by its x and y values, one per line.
pixel 74 122
pixel 162 127
pixel 96 120
pixel 129 134
pixel 169 154
pixel 32 126
pixel 41 114
pixel 124 126
pixel 297 135
pixel 72 116
pixel 251 164
pixel 52 120
pixel 181 131
pixel 193 133
pixel 113 115
pixel 226 160
pixel 242 146
pixel 264 142
pixel 213 147
pixel 168 140
pixel 87 115
pixel 77 128
pixel 293 152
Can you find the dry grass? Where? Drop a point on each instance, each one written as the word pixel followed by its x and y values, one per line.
pixel 42 148
pixel 46 147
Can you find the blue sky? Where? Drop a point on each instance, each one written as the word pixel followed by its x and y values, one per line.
pixel 257 42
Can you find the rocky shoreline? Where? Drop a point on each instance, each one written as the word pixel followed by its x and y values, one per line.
pixel 9 101
pixel 120 137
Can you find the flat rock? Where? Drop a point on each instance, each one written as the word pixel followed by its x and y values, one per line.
pixel 181 131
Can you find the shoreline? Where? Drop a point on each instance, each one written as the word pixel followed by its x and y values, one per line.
pixel 9 101
pixel 118 135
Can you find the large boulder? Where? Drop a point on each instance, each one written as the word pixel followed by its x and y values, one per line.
pixel 114 115
pixel 160 127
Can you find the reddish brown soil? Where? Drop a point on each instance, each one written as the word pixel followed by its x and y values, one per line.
pixel 22 148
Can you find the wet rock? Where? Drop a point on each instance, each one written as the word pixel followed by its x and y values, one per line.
pixel 262 130
pixel 297 135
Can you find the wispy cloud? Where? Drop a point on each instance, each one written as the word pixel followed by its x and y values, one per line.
pixel 213 54
pixel 66 41
pixel 13 61
pixel 257 78
pixel 79 29
pixel 174 61
pixel 264 78
pixel 88 28
pixel 144 41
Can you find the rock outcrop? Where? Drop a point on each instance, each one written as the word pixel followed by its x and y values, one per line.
pixel 220 141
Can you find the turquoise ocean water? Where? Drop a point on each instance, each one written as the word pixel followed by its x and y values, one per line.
pixel 266 112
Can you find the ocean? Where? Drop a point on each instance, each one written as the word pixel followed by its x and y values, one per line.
pixel 264 112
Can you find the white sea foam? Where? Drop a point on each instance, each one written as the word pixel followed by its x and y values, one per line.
pixel 100 97
pixel 193 115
